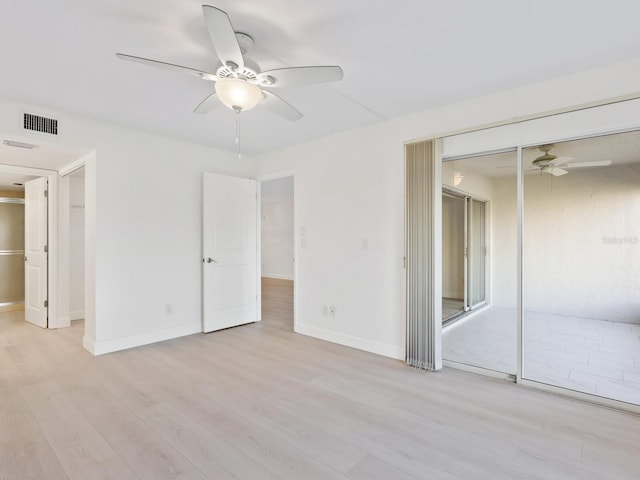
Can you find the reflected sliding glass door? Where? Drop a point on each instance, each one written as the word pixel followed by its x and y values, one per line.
pixel 463 254
pixel 476 252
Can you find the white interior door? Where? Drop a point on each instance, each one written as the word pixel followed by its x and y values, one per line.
pixel 36 261
pixel 230 256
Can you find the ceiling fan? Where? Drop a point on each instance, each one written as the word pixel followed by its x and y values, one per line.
pixel 549 163
pixel 239 82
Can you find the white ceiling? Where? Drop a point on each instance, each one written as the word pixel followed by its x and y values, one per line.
pixel 399 56
pixel 43 155
pixel 8 181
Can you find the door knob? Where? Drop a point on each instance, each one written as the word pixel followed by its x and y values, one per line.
pixel 209 260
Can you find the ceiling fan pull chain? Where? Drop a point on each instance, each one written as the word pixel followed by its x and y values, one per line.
pixel 238 132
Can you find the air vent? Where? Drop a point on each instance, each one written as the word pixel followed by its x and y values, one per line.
pixel 40 124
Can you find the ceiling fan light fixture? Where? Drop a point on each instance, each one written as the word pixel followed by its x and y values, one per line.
pixel 238 94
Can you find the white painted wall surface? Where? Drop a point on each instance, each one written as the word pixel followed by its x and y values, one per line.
pixel 76 247
pixel 143 226
pixel 149 235
pixel 277 228
pixel 504 240
pixel 473 184
pixel 143 209
pixel 350 186
pixel 582 243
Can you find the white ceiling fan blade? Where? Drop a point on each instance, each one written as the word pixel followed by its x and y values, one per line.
pixel 169 66
pixel 295 76
pixel 208 104
pixel 555 171
pixel 222 36
pixel 278 106
pixel 597 163
pixel 562 160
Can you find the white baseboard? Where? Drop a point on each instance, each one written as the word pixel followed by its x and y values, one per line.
pixel 77 315
pixel 277 276
pixel 89 345
pixel 108 346
pixel 384 349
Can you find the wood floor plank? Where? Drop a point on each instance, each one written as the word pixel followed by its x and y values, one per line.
pixel 143 451
pixel 207 449
pixel 261 402
pixel 25 452
pixel 77 444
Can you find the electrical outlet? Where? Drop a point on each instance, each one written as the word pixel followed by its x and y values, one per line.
pixel 332 311
pixel 168 309
pixel 325 311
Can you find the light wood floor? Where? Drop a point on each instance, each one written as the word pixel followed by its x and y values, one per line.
pixel 260 402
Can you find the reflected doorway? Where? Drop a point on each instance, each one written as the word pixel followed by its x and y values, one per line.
pixel 277 252
pixel 464 254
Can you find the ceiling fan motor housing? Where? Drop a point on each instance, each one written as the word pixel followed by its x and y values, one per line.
pixel 546 159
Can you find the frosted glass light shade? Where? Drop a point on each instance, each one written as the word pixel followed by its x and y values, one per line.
pixel 238 94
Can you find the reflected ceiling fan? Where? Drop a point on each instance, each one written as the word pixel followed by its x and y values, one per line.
pixel 239 82
pixel 549 163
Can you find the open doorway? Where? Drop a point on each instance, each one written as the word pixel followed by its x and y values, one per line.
pixel 76 263
pixel 277 252
pixel 12 242
pixel 23 248
pixel 35 177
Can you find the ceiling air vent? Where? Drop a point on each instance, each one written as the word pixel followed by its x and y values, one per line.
pixel 40 124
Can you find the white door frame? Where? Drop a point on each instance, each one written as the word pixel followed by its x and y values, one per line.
pixel 264 178
pixel 52 219
pixel 56 281
pixel 64 317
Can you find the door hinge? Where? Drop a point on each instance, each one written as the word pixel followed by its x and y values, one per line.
pixel 46 303
pixel 46 249
pixel 46 193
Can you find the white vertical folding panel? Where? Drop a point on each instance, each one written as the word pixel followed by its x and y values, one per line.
pixel 423 252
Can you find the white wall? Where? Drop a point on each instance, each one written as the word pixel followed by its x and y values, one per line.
pixel 143 211
pixel 76 247
pixel 581 243
pixel 474 184
pixel 143 226
pixel 504 241
pixel 349 204
pixel 350 187
pixel 277 228
pixel 572 267
pixel 149 235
